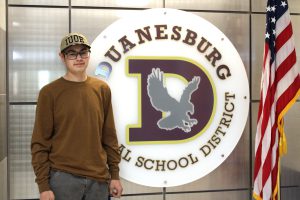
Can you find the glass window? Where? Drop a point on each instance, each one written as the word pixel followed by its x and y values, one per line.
pixel 34 41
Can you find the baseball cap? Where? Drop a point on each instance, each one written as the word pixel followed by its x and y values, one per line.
pixel 73 39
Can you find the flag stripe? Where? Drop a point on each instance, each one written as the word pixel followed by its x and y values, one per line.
pixel 282 22
pixel 286 65
pixel 288 95
pixel 283 37
pixel 286 81
pixel 284 51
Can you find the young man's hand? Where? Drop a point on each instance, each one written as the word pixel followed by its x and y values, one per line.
pixel 47 195
pixel 115 188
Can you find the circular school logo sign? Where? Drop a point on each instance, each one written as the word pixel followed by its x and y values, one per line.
pixel 180 94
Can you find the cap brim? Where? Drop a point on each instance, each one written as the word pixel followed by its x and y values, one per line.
pixel 74 45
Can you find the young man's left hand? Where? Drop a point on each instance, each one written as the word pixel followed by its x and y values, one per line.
pixel 115 188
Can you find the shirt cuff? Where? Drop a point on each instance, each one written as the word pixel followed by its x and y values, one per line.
pixel 115 175
pixel 44 187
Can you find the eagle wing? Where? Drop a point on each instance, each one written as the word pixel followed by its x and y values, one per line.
pixel 190 88
pixel 158 94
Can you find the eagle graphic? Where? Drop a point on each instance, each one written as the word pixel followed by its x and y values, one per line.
pixel 177 112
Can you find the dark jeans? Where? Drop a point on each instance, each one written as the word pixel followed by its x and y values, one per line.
pixel 67 186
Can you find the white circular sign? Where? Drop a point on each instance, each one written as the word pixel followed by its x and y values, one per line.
pixel 180 94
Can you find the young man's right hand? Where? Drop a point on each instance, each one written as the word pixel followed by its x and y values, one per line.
pixel 47 195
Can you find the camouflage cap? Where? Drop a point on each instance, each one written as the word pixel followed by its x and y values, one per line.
pixel 73 39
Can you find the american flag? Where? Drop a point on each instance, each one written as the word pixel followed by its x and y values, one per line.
pixel 280 85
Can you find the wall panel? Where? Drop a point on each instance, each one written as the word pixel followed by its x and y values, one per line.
pixel 3 137
pixel 34 41
pixel 120 3
pixel 3 120
pixel 132 188
pixel 258 30
pixel 141 197
pixel 222 5
pixel 3 148
pixel 290 175
pixel 2 81
pixel 40 2
pixel 236 28
pixel 2 48
pixel 21 176
pixel 292 193
pixel 260 6
pixel 226 195
pixel 92 22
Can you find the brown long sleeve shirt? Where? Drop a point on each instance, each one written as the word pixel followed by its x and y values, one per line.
pixel 74 131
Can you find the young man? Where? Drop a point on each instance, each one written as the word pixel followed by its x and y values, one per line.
pixel 74 144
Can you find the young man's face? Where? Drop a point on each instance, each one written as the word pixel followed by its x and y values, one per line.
pixel 76 58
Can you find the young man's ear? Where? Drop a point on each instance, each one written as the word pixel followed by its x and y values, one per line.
pixel 62 56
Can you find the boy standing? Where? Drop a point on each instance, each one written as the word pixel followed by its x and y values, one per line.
pixel 74 143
